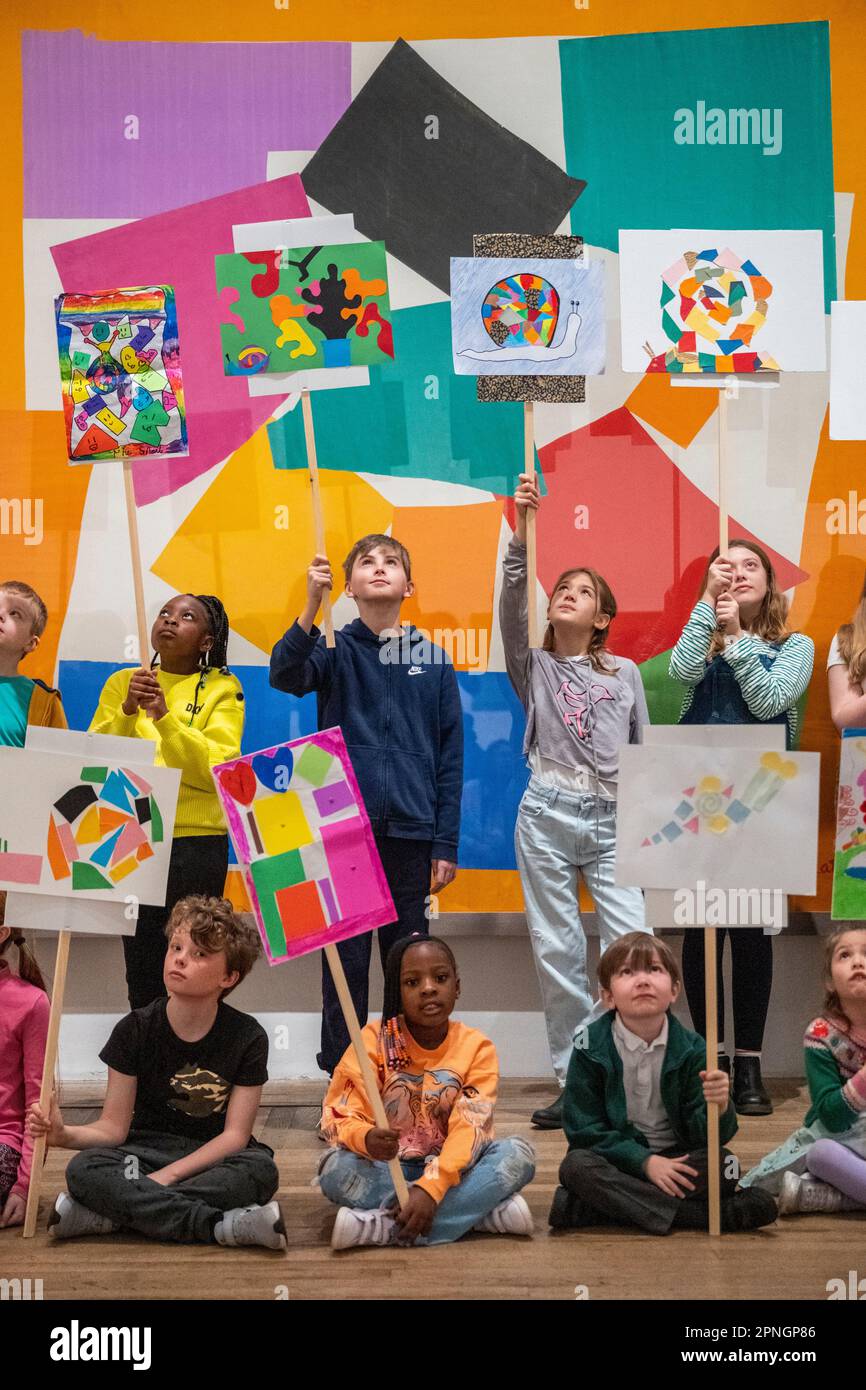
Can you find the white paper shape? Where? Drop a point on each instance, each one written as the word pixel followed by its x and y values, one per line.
pixel 755 826
pixel 336 230
pixel 97 747
pixel 848 369
pixel 38 912
pixel 794 330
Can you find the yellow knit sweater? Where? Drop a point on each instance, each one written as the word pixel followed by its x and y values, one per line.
pixel 191 740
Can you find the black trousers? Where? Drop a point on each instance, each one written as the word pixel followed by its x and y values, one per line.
pixel 608 1195
pixel 407 869
pixel 198 865
pixel 751 981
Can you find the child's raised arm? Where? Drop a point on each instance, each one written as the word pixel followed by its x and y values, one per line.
pixel 300 663
pixel 108 1131
pixel 513 597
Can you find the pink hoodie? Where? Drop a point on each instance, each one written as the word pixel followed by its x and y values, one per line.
pixel 24 1011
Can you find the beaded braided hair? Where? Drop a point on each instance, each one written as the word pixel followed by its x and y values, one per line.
pixel 392 1042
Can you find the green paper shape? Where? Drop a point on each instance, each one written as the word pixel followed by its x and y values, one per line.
pixel 670 328
pixel 737 292
pixel 314 764
pixel 269 876
pixel 706 361
pixel 303 307
pixel 416 419
pixel 156 829
pixel 667 294
pixel 94 774
pixel 85 875
pixel 637 174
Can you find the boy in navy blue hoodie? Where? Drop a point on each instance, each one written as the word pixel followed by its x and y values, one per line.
pixel 396 699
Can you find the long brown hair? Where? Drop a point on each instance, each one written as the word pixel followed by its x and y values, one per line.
pixel 771 620
pixel 28 966
pixel 832 1004
pixel 600 658
pixel 852 641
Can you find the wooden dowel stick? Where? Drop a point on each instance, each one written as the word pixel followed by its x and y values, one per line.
pixel 318 517
pixel 135 556
pixel 47 1088
pixel 531 550
pixel 373 1094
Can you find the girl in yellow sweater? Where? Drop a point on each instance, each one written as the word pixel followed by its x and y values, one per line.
pixel 192 707
pixel 438 1082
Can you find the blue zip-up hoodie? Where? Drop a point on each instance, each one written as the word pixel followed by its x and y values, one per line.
pixel 398 705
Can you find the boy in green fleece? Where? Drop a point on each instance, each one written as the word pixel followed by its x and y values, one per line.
pixel 635 1110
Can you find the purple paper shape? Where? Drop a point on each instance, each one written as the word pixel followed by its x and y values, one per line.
pixel 221 414
pixel 207 115
pixel 334 798
pixel 355 894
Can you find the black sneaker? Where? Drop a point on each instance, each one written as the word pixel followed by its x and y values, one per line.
pixel 568 1212
pixel 750 1094
pixel 549 1118
pixel 747 1210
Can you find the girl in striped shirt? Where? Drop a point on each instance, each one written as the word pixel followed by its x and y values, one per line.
pixel 741 665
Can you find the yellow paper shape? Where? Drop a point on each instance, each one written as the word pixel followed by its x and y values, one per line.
pixel 80 393
pixel 256 520
pixel 698 321
pixel 110 420
pixel 125 867
pixel 281 822
pixel 89 831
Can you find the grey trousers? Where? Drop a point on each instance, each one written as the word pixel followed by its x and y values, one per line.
pixel 114 1183
pixel 608 1195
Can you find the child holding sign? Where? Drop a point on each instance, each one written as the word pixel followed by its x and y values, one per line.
pixel 396 699
pixel 192 707
pixel 23 1031
pixel 172 1155
pixel 438 1082
pixel 742 665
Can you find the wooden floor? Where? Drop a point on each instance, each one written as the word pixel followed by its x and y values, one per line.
pixel 793 1259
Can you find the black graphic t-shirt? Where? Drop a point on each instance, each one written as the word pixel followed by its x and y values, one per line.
pixel 184 1087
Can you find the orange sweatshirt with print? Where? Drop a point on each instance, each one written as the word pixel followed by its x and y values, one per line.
pixel 441 1102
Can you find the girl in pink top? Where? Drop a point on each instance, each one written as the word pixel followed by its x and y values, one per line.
pixel 23 1031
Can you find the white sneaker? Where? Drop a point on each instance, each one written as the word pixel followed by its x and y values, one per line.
pixel 253 1225
pixel 801 1194
pixel 361 1228
pixel 511 1218
pixel 70 1218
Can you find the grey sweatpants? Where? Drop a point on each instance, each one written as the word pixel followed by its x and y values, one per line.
pixel 114 1182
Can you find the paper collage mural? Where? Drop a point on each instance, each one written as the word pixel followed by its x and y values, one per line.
pixel 120 373
pixel 302 307
pixel 746 820
pixel 416 448
pixel 302 836
pixel 849 860
pixel 83 828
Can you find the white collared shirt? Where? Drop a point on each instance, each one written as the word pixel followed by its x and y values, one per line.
pixel 641 1073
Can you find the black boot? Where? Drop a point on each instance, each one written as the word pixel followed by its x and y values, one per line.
pixel 549 1118
pixel 750 1094
pixel 724 1063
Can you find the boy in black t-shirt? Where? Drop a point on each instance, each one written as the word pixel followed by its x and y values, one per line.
pixel 172 1155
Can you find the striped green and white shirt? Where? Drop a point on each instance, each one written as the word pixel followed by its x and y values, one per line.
pixel 768 691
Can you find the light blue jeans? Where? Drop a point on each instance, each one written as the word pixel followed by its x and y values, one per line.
pixel 503 1168
pixel 558 836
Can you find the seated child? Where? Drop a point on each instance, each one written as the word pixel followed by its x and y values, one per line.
pixel 822 1166
pixel 172 1156
pixel 23 701
pixel 438 1083
pixel 635 1110
pixel 24 1013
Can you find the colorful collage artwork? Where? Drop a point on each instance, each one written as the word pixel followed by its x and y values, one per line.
pixel 85 830
pixel 290 309
pixel 120 374
pixel 849 862
pixel 303 839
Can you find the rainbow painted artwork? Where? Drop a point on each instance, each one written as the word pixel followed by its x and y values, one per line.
pixel 304 843
pixel 289 309
pixel 85 829
pixel 120 374
pixel 849 862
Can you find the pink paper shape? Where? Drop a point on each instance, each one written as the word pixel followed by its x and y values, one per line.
pixel 181 246
pixel 131 837
pixel 329 900
pixel 67 839
pixel 20 868
pixel 334 798
pixel 349 865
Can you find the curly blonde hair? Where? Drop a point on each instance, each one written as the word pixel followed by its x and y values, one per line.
pixel 214 925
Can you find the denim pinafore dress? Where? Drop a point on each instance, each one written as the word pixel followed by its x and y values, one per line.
pixel 718 699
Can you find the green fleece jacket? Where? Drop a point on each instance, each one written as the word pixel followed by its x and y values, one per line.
pixel 595 1114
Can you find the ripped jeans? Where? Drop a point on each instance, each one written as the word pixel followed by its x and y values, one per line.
pixel 503 1168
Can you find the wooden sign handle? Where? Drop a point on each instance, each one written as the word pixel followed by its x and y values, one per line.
pixel 135 556
pixel 318 517
pixel 47 1088
pixel 373 1094
pixel 531 546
